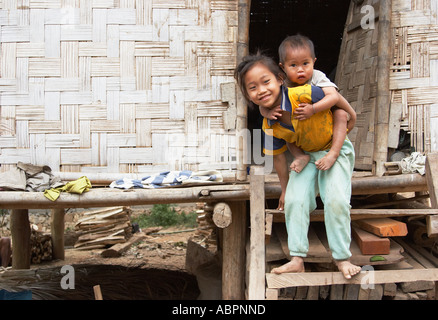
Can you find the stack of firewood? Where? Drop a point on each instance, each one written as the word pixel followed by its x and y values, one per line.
pixel 40 246
pixel 103 227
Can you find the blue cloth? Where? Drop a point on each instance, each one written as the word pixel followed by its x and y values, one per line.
pixel 168 179
pixel 21 295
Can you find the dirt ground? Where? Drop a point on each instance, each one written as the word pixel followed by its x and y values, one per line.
pixel 162 249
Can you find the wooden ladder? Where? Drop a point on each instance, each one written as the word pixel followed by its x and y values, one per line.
pixel 263 285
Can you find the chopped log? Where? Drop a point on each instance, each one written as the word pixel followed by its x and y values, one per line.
pixel 222 215
pixel 383 227
pixel 370 243
pixel 40 246
pixel 116 250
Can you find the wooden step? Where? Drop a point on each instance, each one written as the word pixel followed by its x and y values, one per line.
pixel 383 227
pixel 370 243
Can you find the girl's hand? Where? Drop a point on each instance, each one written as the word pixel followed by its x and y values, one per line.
pixel 305 111
pixel 274 113
pixel 281 202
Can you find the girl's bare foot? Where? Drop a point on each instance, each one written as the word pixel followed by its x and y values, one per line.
pixel 299 163
pixel 295 265
pixel 326 162
pixel 347 268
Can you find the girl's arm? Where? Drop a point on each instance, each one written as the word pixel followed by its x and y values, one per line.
pixel 344 105
pixel 280 165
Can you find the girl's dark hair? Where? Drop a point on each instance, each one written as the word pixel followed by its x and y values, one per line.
pixel 248 62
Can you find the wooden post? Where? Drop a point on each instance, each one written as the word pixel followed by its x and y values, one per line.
pixel 432 178
pixel 57 230
pixel 383 99
pixel 241 106
pixel 20 230
pixel 256 281
pixel 233 254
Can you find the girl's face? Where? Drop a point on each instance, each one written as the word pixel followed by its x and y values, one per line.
pixel 263 87
pixel 298 65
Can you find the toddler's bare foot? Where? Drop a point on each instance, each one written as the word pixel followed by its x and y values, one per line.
pixel 326 162
pixel 295 265
pixel 299 163
pixel 347 268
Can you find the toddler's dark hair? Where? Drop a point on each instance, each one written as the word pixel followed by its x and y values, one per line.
pixel 248 62
pixel 297 41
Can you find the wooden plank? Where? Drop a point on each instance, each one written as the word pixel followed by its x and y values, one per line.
pixel 370 243
pixel 358 214
pixel 256 268
pixel 277 281
pixel 383 227
pixel 432 178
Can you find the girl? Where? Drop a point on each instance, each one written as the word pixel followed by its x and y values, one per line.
pixel 261 82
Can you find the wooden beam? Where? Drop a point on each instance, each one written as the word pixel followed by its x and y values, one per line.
pixel 383 99
pixel 256 277
pixel 233 253
pixel 432 178
pixel 104 197
pixel 370 243
pixel 20 230
pixel 357 214
pixel 285 280
pixel 411 182
pixel 57 231
pixel 383 227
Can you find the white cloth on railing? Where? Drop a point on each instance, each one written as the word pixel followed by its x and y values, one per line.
pixel 416 162
pixel 169 179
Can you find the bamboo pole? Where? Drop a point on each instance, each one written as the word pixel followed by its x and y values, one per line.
pixel 242 113
pixel 104 197
pixel 383 100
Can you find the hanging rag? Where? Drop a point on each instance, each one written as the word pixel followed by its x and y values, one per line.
pixel 78 186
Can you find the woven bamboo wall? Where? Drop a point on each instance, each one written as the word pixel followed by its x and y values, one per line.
pixel 117 85
pixel 413 76
pixel 356 77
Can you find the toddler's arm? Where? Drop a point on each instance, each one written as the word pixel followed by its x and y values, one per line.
pixel 271 114
pixel 306 110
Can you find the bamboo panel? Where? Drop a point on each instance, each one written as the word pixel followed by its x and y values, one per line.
pixel 116 86
pixel 413 75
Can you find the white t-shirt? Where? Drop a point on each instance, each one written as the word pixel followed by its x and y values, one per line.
pixel 319 79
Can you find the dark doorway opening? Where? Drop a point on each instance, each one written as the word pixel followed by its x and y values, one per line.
pixel 271 21
pixel 322 21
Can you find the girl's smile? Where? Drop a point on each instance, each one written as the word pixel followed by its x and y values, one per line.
pixel 263 87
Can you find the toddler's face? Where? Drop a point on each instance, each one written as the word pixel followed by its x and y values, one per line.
pixel 262 86
pixel 298 65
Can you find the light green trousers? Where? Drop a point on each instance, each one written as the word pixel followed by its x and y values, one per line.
pixel 334 189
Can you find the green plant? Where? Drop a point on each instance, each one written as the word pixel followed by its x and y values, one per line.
pixel 164 215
